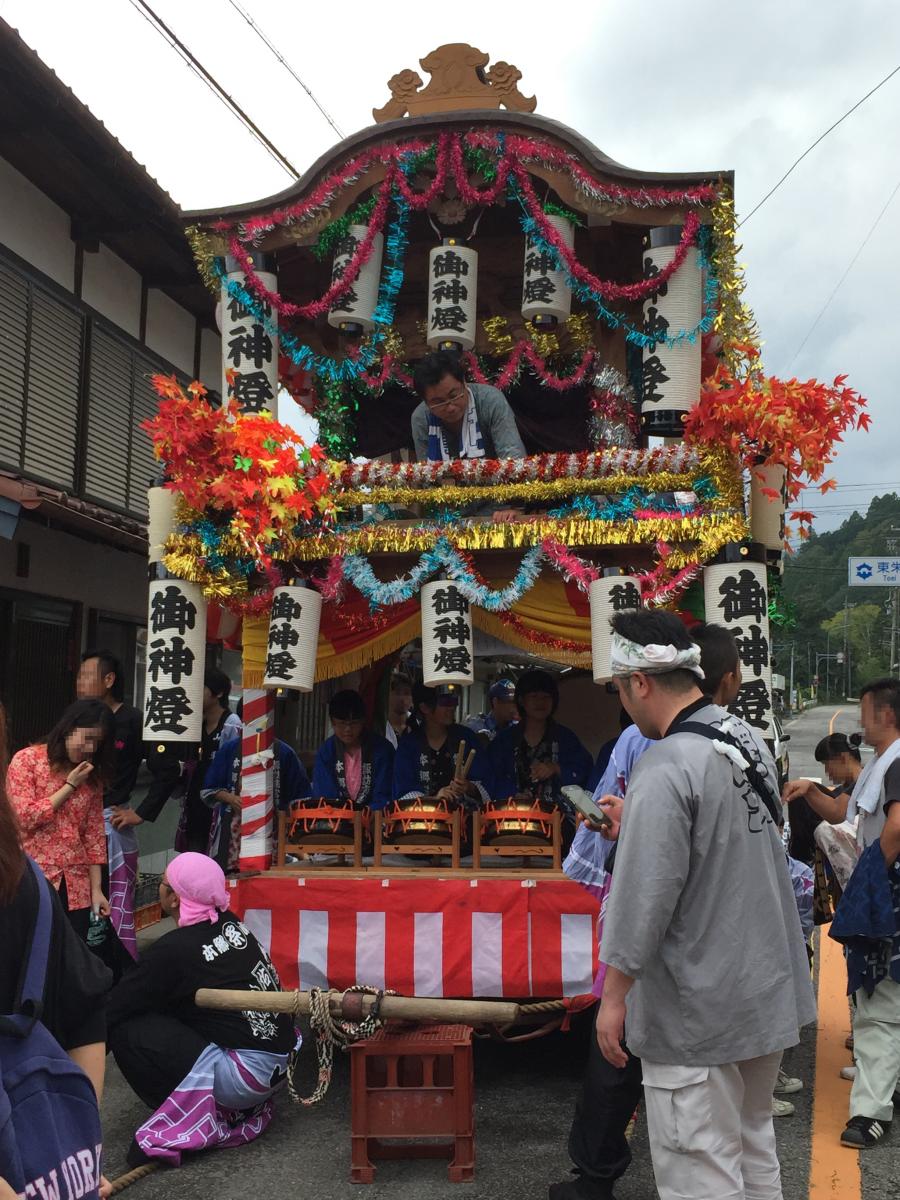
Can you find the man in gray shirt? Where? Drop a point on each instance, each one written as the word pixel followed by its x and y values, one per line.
pixel 706 962
pixel 460 420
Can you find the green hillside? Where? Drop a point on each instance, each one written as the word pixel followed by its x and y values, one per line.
pixel 824 614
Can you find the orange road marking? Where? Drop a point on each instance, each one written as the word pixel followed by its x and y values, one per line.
pixel 833 719
pixel 833 1169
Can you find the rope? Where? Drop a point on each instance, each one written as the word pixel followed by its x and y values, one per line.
pixel 545 1006
pixel 330 1033
pixel 130 1177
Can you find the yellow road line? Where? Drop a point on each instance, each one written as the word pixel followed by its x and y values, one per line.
pixel 833 1168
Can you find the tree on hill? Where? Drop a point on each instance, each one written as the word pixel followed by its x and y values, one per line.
pixel 817 596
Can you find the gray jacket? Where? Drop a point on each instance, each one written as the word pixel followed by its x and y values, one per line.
pixel 498 426
pixel 702 913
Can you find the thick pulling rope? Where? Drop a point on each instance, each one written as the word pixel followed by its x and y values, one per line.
pixel 330 1033
pixel 124 1181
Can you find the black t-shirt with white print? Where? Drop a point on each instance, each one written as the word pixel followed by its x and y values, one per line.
pixel 206 955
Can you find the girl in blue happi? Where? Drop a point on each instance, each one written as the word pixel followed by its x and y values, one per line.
pixel 221 791
pixel 538 757
pixel 354 765
pixel 424 764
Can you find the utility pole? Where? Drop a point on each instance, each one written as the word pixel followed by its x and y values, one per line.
pixel 892 543
pixel 846 645
pixel 791 684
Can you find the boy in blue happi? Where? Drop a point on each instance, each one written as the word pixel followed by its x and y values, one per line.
pixel 537 757
pixel 424 764
pixel 221 791
pixel 354 765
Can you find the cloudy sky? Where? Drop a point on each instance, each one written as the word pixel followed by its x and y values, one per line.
pixel 702 85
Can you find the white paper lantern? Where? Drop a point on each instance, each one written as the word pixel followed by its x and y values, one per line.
pixel 545 292
pixel 452 295
pixel 447 644
pixel 671 374
pixel 607 596
pixel 357 306
pixel 736 596
pixel 293 639
pixel 766 512
pixel 160 520
pixel 176 662
pixel 249 349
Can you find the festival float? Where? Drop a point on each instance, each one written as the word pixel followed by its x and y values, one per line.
pixel 606 304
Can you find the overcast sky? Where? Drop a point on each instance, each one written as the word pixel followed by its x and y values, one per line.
pixel 703 85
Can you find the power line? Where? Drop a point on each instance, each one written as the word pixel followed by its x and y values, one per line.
pixel 213 84
pixel 852 264
pixel 820 138
pixel 287 66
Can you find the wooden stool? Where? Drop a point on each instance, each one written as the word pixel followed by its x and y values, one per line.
pixel 411 1085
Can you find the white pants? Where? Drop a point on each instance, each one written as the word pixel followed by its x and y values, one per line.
pixel 876 1048
pixel 711 1133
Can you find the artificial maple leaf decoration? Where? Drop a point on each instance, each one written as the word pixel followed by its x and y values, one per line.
pixel 257 475
pixel 764 420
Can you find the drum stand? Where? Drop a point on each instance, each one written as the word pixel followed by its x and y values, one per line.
pixel 388 844
pixel 312 843
pixel 517 847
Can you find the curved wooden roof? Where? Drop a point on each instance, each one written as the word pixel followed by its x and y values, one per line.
pixel 527 124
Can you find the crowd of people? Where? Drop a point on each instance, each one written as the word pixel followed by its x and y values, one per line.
pixel 705 926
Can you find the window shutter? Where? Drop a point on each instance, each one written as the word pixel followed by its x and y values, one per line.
pixel 54 374
pixel 109 420
pixel 13 357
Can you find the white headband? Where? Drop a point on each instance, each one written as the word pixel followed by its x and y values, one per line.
pixel 628 657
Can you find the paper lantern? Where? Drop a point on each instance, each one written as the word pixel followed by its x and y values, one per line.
pixel 545 292
pixel 355 310
pixel 766 511
pixel 160 520
pixel 607 596
pixel 293 639
pixel 670 374
pixel 176 662
pixel 452 295
pixel 736 596
pixel 249 348
pixel 447 645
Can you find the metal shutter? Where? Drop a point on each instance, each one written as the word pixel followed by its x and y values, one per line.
pixel 54 374
pixel 13 349
pixel 109 420
pixel 144 464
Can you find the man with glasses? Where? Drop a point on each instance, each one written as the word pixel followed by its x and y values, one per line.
pixel 458 420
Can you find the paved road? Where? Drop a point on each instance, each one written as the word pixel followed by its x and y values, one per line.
pixel 525 1095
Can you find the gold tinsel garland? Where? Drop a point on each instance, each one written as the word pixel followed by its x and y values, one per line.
pixel 734 322
pixel 710 533
pixel 720 468
pixel 206 247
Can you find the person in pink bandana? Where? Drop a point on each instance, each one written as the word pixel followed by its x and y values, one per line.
pixel 185 1062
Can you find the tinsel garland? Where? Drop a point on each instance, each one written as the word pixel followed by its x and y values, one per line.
pixel 335 417
pixel 348 368
pixel 360 214
pixel 734 321
pixel 532 224
pixel 636 504
pixel 514 147
pixel 504 493
pixel 552 209
pixel 711 532
pixel 607 464
pixel 602 289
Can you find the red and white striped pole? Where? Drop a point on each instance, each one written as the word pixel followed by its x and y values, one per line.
pixel 257 758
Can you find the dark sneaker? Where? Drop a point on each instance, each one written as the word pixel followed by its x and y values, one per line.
pixel 579 1188
pixel 863 1132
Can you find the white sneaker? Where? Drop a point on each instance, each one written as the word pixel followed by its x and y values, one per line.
pixel 787 1084
pixel 782 1108
pixel 848 1072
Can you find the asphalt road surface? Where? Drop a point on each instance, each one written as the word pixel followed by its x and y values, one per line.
pixel 525 1095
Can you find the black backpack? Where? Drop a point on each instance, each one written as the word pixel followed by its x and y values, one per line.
pixel 50 1140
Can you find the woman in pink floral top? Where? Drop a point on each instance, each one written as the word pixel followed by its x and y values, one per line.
pixel 56 789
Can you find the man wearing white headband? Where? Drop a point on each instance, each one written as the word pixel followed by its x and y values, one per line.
pixel 706 963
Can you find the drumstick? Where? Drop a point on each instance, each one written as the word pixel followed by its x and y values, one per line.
pixel 460 754
pixel 466 767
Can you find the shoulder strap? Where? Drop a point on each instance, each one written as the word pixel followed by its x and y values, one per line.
pixel 753 772
pixel 36 971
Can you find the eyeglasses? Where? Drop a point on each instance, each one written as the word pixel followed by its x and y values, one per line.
pixel 451 399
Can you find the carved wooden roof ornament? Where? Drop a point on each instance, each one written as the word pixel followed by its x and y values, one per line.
pixel 458 82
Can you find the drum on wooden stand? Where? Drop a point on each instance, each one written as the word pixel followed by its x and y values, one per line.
pixel 419 819
pixel 516 820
